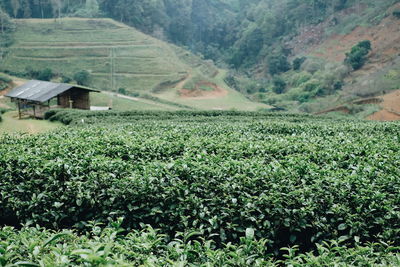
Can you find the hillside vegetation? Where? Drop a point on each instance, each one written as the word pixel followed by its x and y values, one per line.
pixel 289 54
pixel 118 58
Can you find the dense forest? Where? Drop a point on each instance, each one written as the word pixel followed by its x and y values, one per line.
pixel 237 32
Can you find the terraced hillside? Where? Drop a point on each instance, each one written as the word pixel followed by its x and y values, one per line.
pixel 118 56
pixel 115 55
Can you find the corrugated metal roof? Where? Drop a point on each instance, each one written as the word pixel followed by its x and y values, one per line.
pixel 40 91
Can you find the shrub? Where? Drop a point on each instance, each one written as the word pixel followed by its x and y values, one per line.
pixel 122 91
pixel 5 78
pixel 3 86
pixel 279 85
pixel 291 179
pixel 297 79
pixel 33 246
pixel 134 94
pixel 278 63
pixel 45 75
pixel 82 77
pixel 313 65
pixel 297 94
pixel 357 57
pixel 297 62
pixel 66 79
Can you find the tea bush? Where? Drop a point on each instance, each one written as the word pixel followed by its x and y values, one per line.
pixel 113 246
pixel 293 180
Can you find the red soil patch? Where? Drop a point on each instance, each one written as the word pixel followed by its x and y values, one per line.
pixel 391 101
pixel 384 115
pixel 198 93
pixel 391 108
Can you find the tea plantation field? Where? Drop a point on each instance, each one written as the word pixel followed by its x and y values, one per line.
pixel 201 189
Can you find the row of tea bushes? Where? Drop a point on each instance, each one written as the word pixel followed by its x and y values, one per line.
pixel 36 247
pixel 293 183
pixel 68 116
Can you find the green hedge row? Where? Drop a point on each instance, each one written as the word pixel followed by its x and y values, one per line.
pixel 68 116
pixel 292 183
pixel 36 247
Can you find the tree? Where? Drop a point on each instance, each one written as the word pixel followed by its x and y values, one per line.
pixel 297 62
pixel 122 91
pixel 357 57
pixel 6 25
pixel 92 8
pixel 279 85
pixel 27 10
pixel 278 63
pixel 15 7
pixel 56 7
pixel 45 75
pixel 82 77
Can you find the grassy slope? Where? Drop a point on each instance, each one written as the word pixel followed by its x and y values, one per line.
pixel 233 100
pixel 122 104
pixel 11 124
pixel 139 62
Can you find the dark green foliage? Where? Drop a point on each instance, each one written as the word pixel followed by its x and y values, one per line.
pixel 338 85
pixel 66 79
pixel 7 27
pixel 2 110
pixel 82 77
pixel 114 246
pixel 5 78
pixel 366 44
pixel 122 91
pixel 396 13
pixel 45 75
pixel 4 81
pixel 278 63
pixel 279 85
pixel 297 62
pixel 294 180
pixel 357 57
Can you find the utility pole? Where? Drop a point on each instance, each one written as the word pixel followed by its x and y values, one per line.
pixel 112 63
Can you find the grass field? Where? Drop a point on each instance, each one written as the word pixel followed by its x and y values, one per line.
pixel 117 56
pixel 11 124
pixel 124 104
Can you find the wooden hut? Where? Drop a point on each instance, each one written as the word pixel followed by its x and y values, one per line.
pixel 36 97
